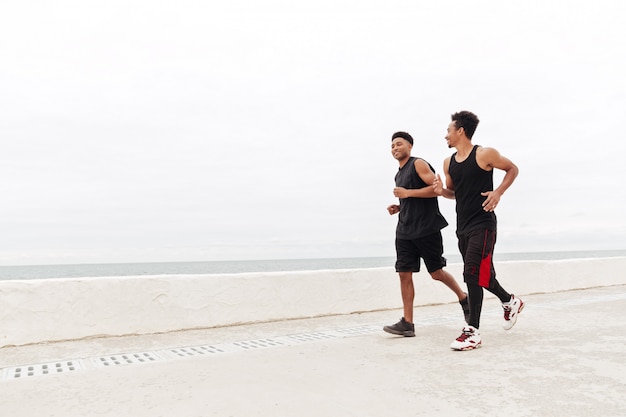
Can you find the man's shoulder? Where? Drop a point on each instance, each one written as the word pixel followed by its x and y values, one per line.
pixel 422 164
pixel 486 154
pixel 482 150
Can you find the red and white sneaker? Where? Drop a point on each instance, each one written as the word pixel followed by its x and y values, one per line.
pixel 469 339
pixel 511 311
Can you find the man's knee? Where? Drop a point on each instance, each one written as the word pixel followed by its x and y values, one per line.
pixel 406 276
pixel 438 275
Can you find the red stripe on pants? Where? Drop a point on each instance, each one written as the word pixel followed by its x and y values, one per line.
pixel 484 273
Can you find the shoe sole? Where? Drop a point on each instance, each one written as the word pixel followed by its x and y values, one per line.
pixel 521 307
pixel 467 348
pixel 398 333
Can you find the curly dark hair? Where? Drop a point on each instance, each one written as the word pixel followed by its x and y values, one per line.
pixel 466 120
pixel 402 135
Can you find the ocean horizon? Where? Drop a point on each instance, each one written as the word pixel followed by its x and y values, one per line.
pixel 27 272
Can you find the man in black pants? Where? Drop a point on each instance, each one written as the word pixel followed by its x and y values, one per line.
pixel 469 180
pixel 418 233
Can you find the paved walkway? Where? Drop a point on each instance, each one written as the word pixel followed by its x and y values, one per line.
pixel 565 357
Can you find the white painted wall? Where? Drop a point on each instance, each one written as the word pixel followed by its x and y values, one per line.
pixel 33 311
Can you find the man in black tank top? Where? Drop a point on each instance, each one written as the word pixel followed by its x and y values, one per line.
pixel 418 233
pixel 469 180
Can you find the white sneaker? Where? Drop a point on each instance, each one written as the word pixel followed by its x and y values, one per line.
pixel 469 339
pixel 511 311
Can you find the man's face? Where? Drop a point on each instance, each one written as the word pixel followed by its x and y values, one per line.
pixel 400 148
pixel 453 135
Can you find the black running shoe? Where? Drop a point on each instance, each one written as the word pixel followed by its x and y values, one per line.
pixel 401 328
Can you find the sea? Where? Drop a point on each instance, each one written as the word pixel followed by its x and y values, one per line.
pixel 28 272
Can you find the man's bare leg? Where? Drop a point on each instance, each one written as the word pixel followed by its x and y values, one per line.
pixel 408 294
pixel 449 281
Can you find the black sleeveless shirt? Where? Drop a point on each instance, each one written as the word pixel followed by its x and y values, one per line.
pixel 469 181
pixel 418 217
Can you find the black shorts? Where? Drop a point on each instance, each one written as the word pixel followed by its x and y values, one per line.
pixel 409 252
pixel 477 250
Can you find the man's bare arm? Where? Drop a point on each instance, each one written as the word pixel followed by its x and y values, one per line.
pixel 447 192
pixel 424 172
pixel 491 158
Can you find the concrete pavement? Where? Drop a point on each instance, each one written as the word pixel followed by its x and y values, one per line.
pixel 565 357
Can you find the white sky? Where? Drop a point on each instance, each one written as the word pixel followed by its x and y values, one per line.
pixel 203 130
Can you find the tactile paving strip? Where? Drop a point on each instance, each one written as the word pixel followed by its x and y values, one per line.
pixel 136 358
pixel 310 337
pixel 127 359
pixel 40 369
pixel 196 350
pixel 255 344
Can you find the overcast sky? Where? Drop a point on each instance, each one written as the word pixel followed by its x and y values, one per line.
pixel 203 130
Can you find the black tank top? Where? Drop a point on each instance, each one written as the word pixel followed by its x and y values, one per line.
pixel 469 181
pixel 418 217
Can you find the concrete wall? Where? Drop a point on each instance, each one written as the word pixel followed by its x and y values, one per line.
pixel 33 311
